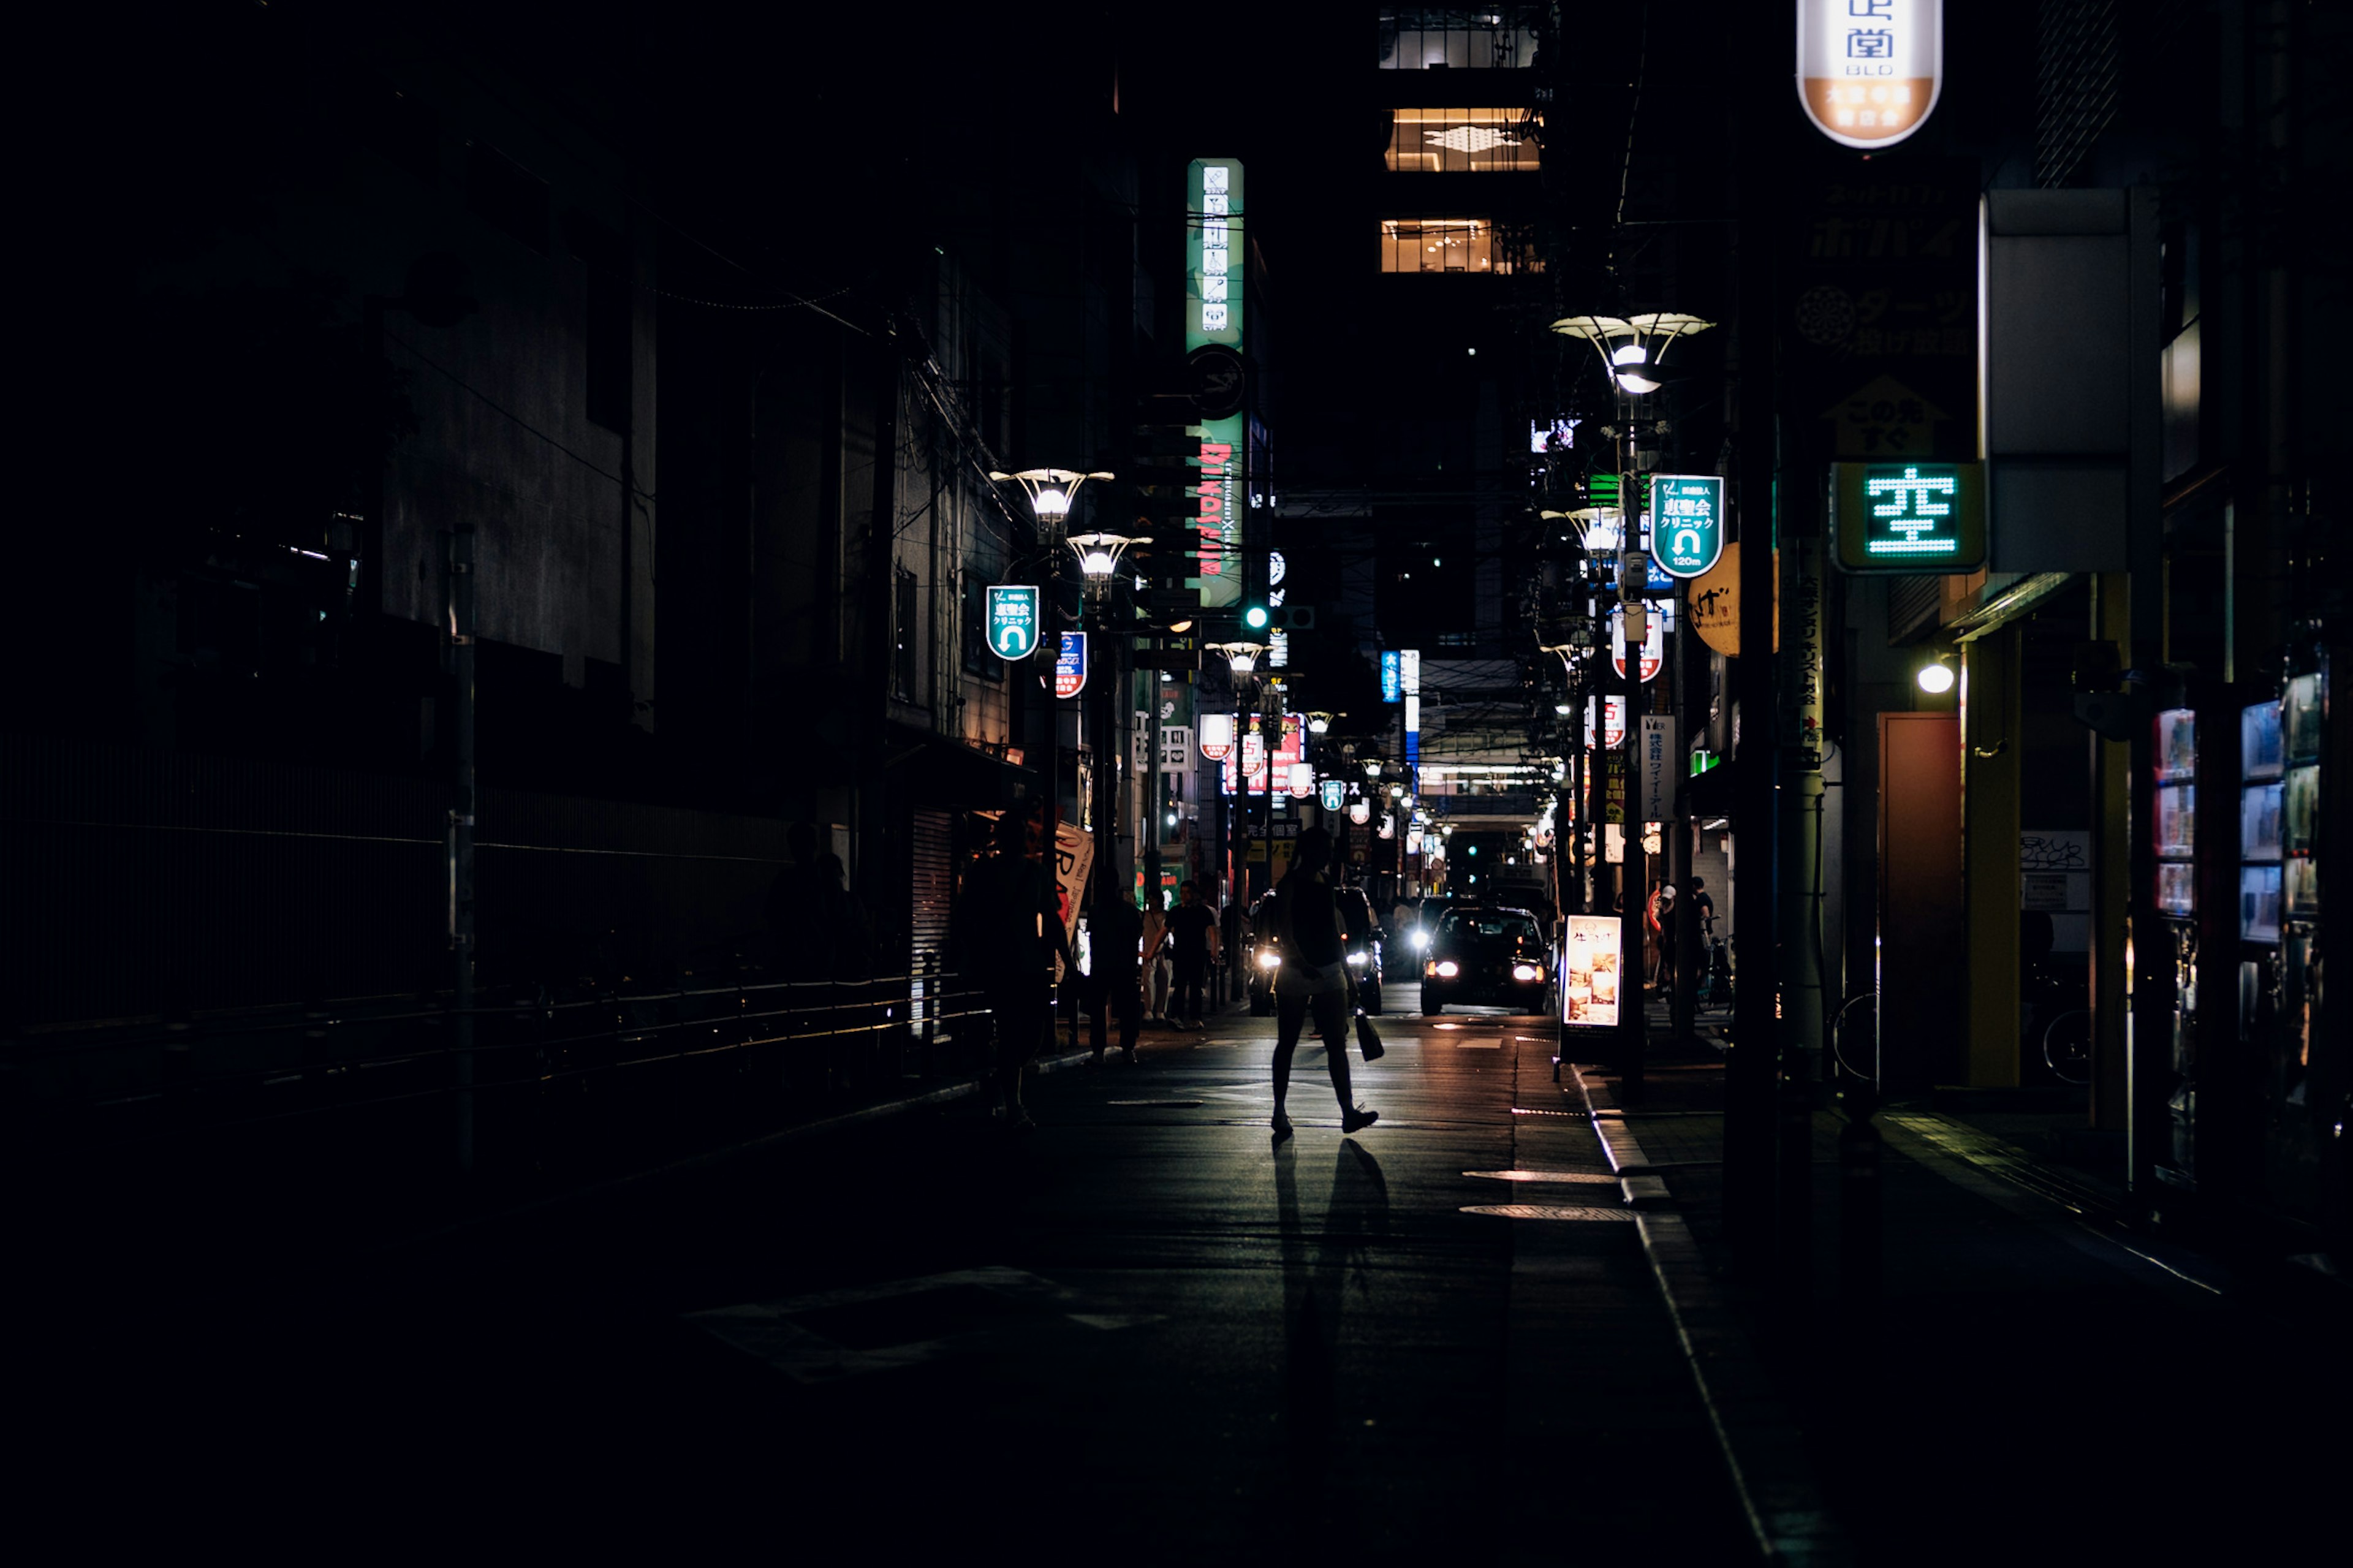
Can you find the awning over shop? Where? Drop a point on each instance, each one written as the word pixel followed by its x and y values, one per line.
pixel 940 770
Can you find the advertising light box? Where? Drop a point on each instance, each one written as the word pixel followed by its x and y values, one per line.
pixel 1589 970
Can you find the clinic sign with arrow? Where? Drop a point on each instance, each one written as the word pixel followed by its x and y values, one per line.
pixel 1686 522
pixel 1013 619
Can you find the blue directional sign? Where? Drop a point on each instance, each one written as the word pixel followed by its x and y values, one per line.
pixel 1013 619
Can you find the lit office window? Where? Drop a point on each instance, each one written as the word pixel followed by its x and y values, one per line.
pixel 1441 38
pixel 1450 245
pixel 1462 141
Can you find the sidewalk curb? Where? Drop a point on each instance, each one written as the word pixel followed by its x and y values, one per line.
pixel 1762 1447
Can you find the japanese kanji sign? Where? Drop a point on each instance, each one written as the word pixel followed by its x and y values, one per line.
pixel 1911 518
pixel 1012 619
pixel 1071 665
pixel 1869 71
pixel 1686 522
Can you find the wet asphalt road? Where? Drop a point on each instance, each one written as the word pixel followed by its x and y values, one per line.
pixel 1146 1330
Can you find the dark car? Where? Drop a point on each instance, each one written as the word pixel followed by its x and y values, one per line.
pixel 1261 961
pixel 1486 953
pixel 1364 946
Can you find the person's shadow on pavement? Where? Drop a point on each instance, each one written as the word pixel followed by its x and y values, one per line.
pixel 1319 1270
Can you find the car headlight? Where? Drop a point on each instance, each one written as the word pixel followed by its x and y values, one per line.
pixel 1269 959
pixel 1357 960
pixel 1448 969
pixel 1528 972
pixel 1420 940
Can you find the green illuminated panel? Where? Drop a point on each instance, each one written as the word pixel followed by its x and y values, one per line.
pixel 1917 518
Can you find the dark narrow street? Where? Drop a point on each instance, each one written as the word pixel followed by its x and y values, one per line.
pixel 1146 1323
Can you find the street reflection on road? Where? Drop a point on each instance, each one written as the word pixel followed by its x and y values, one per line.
pixel 1319 1270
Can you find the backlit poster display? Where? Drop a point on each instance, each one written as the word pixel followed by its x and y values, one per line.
pixel 1589 970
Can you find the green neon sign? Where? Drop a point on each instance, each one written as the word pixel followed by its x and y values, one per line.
pixel 1918 519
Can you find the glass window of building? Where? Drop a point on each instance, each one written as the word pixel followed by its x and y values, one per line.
pixel 1429 38
pixel 1450 245
pixel 1462 141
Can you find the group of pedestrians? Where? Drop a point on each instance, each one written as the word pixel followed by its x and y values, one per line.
pixel 1010 933
pixel 1668 908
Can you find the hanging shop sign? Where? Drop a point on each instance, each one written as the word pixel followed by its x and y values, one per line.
pixel 1335 794
pixel 1870 71
pixel 1013 619
pixel 1686 522
pixel 1911 519
pixel 1589 970
pixel 1217 736
pixel 1302 780
pixel 1654 643
pixel 1612 715
pixel 1213 252
pixel 1071 665
pixel 1716 605
pixel 1655 767
pixel 1360 812
pixel 1392 676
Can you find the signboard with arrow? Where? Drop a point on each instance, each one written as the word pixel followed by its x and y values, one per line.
pixel 1012 619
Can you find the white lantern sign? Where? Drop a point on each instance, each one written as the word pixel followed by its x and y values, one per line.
pixel 1869 71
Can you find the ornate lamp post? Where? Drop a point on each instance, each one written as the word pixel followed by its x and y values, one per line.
pixel 1051 492
pixel 1633 351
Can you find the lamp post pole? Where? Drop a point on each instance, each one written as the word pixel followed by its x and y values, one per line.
pixel 1633 576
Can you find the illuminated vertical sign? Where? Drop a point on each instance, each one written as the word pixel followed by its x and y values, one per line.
pixel 1071 665
pixel 1869 71
pixel 1392 678
pixel 1214 250
pixel 1918 517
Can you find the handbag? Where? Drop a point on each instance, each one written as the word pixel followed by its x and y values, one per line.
pixel 1369 1039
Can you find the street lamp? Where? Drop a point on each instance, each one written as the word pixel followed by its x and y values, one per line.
pixel 1632 347
pixel 1099 555
pixel 1633 351
pixel 1050 493
pixel 1241 659
pixel 1050 490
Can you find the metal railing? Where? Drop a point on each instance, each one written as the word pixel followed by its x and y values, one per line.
pixel 563 1080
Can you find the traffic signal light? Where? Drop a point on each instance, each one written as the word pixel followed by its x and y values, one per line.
pixel 1256 617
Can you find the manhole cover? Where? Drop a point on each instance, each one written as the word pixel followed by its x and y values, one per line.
pixel 1164 1104
pixel 1546 1211
pixel 1598 1178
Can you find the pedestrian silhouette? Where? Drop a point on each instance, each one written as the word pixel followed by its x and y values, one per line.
pixel 1312 978
pixel 1010 930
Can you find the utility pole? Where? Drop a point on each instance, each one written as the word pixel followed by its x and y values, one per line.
pixel 1750 1133
pixel 458 839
